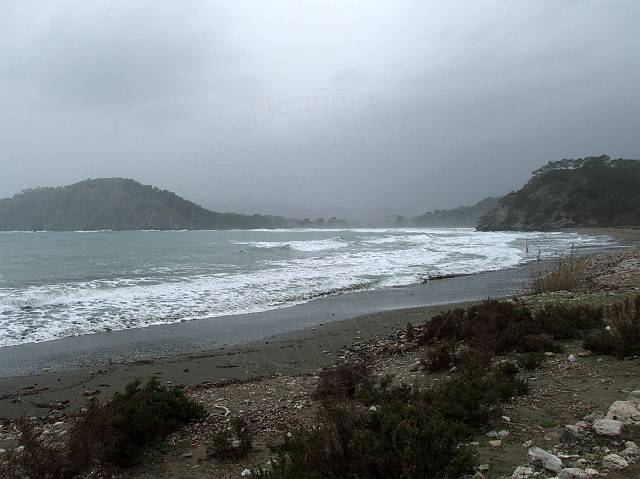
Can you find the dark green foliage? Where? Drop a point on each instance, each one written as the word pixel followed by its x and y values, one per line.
pixel 531 360
pixel 592 191
pixel 624 337
pixel 569 322
pixel 222 446
pixel 114 433
pixel 117 204
pixel 502 326
pixel 122 427
pixel 440 357
pixel 403 438
pixel 411 433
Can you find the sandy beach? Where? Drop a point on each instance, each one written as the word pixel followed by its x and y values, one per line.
pixel 295 340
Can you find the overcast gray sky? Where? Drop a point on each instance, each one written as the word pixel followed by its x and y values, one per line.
pixel 308 108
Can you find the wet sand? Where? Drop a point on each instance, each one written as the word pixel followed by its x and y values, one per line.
pixel 295 340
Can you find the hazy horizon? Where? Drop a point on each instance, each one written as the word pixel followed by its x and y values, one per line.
pixel 308 109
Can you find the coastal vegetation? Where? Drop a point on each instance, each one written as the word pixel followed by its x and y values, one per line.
pixel 117 204
pixel 113 434
pixel 584 192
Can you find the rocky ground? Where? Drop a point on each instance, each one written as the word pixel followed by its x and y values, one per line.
pixel 580 420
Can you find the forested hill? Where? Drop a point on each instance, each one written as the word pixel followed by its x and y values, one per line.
pixel 583 192
pixel 116 204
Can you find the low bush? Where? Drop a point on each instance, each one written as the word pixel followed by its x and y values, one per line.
pixel 569 322
pixel 232 443
pixel 113 433
pixel 403 431
pixel 440 357
pixel 502 327
pixel 622 339
pixel 531 360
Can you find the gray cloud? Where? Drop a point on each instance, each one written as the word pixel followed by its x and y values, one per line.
pixel 314 108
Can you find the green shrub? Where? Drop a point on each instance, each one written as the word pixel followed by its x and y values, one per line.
pixel 569 322
pixel 440 357
pixel 119 429
pixel 501 327
pixel 623 339
pixel 222 445
pixel 531 360
pixel 400 439
pixel 114 433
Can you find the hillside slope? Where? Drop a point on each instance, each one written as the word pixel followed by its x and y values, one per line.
pixel 116 204
pixel 585 192
pixel 462 216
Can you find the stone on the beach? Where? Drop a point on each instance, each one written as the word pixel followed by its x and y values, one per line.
pixel 492 434
pixel 522 472
pixel 614 461
pixel 608 427
pixel 634 398
pixel 569 434
pixel 624 411
pixel 544 459
pixel 631 451
pixel 572 358
pixel 583 426
pixel 573 473
pixel 495 443
pixel 245 472
pixel 502 434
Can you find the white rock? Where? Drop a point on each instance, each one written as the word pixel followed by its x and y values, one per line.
pixel 634 398
pixel 373 409
pixel 502 434
pixel 624 411
pixel 614 461
pixel 631 451
pixel 483 467
pixel 508 419
pixel 522 472
pixel 245 472
pixel 542 458
pixel 571 358
pixel 608 427
pixel 572 473
pixel 495 443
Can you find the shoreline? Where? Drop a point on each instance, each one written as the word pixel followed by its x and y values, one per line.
pixel 296 340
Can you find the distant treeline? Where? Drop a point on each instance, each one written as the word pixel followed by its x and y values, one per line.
pixel 125 204
pixel 460 217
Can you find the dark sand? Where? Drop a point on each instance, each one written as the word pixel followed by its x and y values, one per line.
pixel 295 340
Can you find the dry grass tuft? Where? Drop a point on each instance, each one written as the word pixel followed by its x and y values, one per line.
pixel 567 273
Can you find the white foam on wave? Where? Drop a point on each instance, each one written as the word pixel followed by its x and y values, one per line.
pixel 299 245
pixel 358 257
